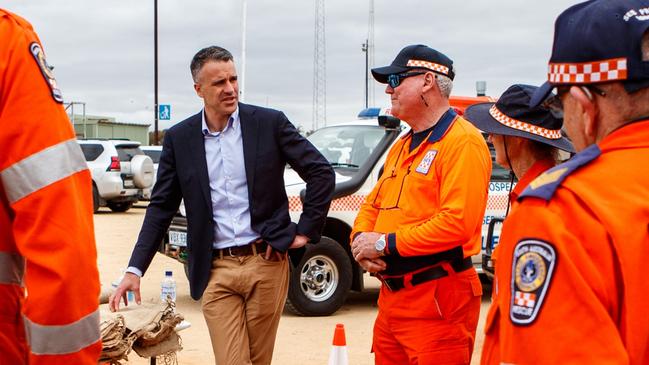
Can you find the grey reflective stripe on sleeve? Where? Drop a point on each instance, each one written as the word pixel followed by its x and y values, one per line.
pixel 60 340
pixel 42 169
pixel 12 268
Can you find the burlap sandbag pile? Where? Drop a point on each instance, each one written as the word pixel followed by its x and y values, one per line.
pixel 149 329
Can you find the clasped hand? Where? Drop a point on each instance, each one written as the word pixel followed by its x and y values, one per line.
pixel 365 253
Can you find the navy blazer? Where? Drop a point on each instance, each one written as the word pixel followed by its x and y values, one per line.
pixel 270 141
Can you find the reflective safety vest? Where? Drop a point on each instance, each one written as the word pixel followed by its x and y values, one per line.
pixel 49 283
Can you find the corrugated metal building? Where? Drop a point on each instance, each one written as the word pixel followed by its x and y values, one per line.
pixel 106 127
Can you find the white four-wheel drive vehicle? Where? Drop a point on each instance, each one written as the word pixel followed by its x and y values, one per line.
pixel 324 272
pixel 119 169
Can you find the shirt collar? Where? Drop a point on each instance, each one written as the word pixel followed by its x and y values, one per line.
pixel 537 169
pixel 233 122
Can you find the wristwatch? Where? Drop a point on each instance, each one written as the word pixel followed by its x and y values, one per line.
pixel 380 245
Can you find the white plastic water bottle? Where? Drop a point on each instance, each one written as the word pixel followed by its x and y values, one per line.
pixel 130 296
pixel 168 287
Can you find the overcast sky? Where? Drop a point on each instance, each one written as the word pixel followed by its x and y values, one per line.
pixel 103 50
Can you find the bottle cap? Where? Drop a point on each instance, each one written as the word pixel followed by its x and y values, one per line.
pixel 168 273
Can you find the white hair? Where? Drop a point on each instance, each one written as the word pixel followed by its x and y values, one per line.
pixel 445 85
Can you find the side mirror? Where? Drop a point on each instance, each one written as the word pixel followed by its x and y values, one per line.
pixel 389 122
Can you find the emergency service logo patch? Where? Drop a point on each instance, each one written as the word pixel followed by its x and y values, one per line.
pixel 39 56
pixel 532 270
pixel 426 162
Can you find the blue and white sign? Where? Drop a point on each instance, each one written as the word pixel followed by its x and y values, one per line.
pixel 164 112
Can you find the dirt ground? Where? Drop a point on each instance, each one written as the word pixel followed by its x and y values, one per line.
pixel 300 340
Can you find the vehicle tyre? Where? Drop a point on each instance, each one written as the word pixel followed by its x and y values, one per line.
pixel 186 267
pixel 142 170
pixel 321 281
pixel 120 207
pixel 95 199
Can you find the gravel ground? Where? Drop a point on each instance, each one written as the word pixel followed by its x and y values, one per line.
pixel 300 340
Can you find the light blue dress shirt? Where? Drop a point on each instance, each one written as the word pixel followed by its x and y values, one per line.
pixel 228 184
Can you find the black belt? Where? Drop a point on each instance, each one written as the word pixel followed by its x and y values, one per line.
pixel 435 272
pixel 254 247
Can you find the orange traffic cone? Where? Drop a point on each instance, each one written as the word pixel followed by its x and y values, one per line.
pixel 338 355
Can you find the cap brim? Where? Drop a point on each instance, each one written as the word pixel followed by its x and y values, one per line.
pixel 540 94
pixel 478 115
pixel 381 74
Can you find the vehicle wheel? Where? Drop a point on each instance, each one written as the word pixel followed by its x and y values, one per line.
pixel 95 199
pixel 186 266
pixel 120 207
pixel 321 281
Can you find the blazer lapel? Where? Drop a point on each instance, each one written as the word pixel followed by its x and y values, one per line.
pixel 249 128
pixel 197 147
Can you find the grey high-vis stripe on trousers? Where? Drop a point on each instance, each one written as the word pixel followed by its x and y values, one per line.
pixel 42 169
pixel 66 339
pixel 12 268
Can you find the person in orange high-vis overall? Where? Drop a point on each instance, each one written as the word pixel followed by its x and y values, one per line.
pixel 526 140
pixel 49 283
pixel 572 285
pixel 422 222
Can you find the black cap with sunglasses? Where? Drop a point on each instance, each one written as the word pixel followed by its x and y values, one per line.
pixel 598 41
pixel 416 57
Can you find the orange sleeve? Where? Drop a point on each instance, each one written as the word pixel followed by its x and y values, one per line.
pixel 47 192
pixel 463 189
pixel 561 307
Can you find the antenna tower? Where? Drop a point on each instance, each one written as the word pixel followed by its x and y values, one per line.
pixel 370 54
pixel 319 68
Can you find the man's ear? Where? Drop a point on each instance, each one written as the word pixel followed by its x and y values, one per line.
pixel 429 81
pixel 197 88
pixel 588 111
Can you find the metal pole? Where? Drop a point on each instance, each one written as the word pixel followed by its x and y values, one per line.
pixel 367 81
pixel 242 83
pixel 155 70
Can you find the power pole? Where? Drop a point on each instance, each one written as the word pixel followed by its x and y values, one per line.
pixel 242 78
pixel 319 68
pixel 155 72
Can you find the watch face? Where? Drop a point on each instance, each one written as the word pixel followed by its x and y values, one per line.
pixel 380 244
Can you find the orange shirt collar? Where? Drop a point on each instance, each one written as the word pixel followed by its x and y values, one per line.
pixel 633 135
pixel 537 169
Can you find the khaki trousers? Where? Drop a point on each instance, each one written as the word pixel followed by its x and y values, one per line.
pixel 242 305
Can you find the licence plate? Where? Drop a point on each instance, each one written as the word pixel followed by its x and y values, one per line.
pixel 178 238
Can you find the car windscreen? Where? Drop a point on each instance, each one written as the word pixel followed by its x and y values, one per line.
pixel 91 151
pixel 348 145
pixel 155 155
pixel 126 152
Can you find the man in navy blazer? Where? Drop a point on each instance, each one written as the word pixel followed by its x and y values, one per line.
pixel 227 163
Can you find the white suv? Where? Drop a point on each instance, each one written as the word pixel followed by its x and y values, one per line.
pixel 120 170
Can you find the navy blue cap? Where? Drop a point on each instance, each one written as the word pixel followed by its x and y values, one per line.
pixel 511 115
pixel 599 41
pixel 416 56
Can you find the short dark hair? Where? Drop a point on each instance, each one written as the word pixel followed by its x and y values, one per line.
pixel 212 53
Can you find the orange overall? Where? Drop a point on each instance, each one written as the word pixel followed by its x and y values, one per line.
pixel 572 286
pixel 430 202
pixel 49 283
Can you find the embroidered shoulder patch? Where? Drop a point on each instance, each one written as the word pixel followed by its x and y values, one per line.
pixel 426 162
pixel 548 182
pixel 532 270
pixel 39 56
